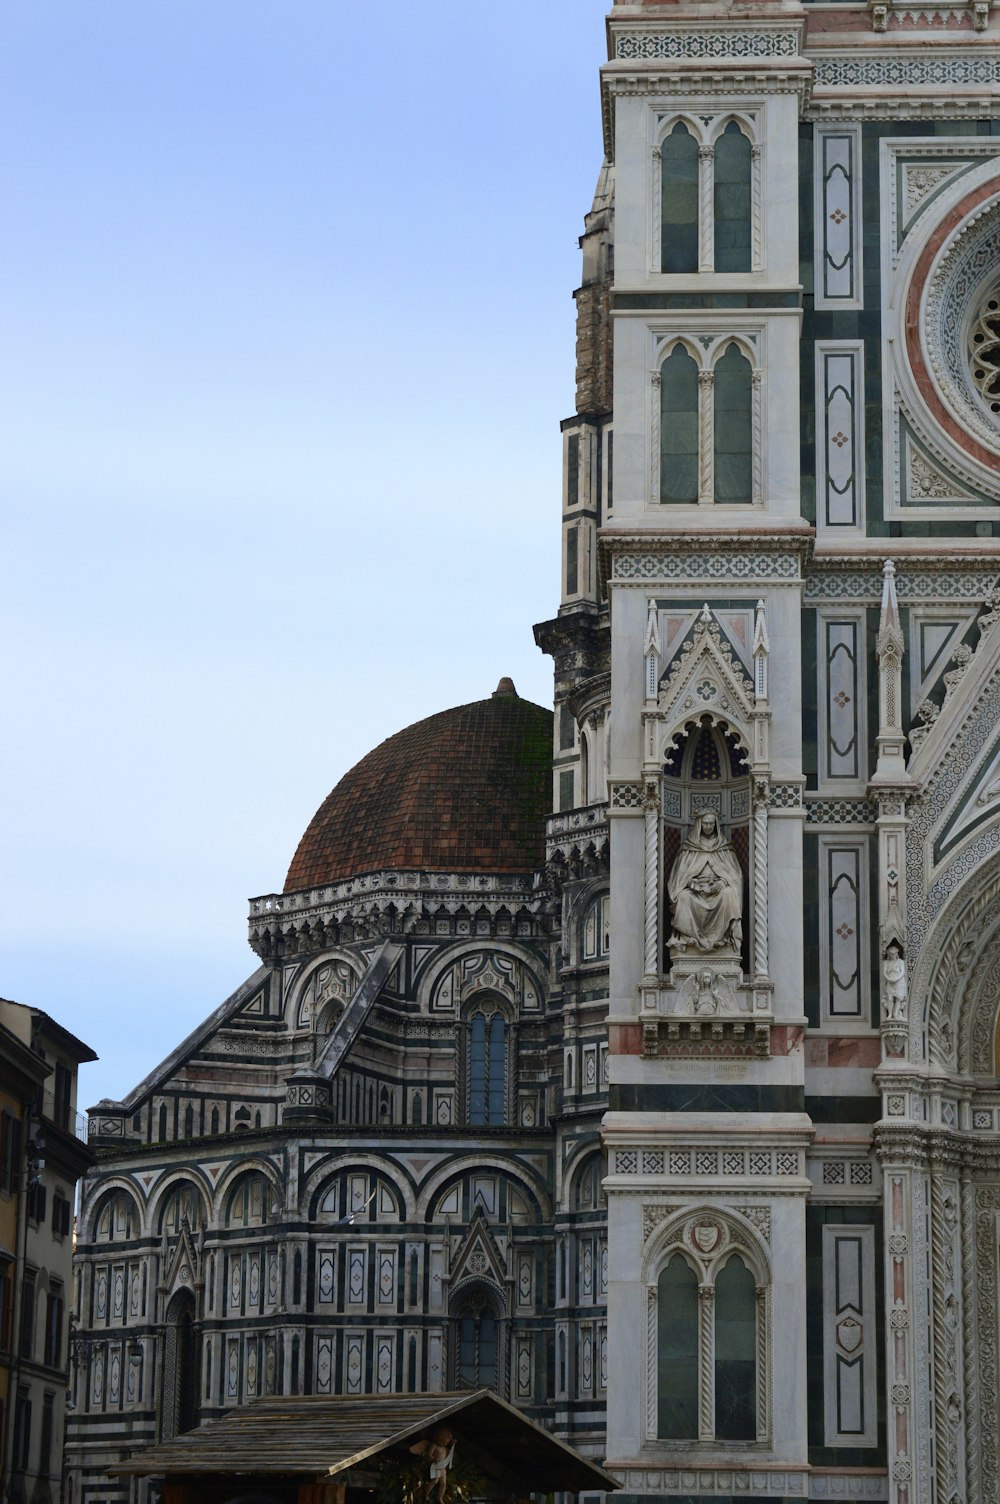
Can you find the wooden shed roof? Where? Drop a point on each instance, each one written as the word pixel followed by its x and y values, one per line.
pixel 318 1436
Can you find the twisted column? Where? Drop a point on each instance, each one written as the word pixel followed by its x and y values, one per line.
pixel 756 210
pixel 706 216
pixel 706 1362
pixel 651 910
pixel 757 440
pixel 706 438
pixel 760 956
pixel 762 1373
pixel 968 1355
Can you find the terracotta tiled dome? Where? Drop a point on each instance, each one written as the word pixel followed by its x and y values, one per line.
pixel 463 791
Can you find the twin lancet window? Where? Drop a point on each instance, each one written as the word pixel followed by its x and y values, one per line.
pixel 706 201
pixel 708 410
pixel 707 1382
pixel 708 427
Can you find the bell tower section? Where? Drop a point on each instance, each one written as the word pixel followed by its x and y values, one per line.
pixel 703 559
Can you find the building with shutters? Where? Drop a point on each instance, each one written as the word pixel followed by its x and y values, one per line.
pixel 642 1063
pixel 43 1153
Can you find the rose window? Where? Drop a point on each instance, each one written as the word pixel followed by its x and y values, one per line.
pixel 984 350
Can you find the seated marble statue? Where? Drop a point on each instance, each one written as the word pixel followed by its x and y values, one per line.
pixel 706 890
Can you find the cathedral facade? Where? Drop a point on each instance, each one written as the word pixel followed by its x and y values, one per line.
pixel 641 1062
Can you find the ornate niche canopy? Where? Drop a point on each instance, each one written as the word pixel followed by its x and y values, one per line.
pixel 705 739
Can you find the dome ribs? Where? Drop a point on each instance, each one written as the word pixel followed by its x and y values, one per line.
pixel 465 790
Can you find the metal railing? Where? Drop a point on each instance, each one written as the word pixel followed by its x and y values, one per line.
pixel 60 1113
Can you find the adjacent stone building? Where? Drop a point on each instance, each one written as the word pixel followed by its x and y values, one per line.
pixel 649 1073
pixel 43 1153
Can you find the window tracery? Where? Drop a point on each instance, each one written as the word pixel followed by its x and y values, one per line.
pixel 488 1064
pixel 181 1207
pixel 707 423
pixel 984 349
pixel 707 191
pixel 248 1203
pixel 707 1374
pixel 117 1219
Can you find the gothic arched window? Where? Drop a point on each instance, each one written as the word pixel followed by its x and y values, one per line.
pixel 248 1202
pixel 708 210
pixel 707 1379
pixel 732 200
pixel 679 201
pixel 487 1068
pixel 707 427
pixel 477 1350
pixel 733 426
pixel 183 1204
pixel 596 935
pixel 679 427
pixel 735 1353
pixel 117 1220
pixel 677 1355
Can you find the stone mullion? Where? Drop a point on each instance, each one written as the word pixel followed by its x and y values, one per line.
pixel 706 1362
pixel 655 382
pixel 706 218
pixel 706 438
pixel 757 439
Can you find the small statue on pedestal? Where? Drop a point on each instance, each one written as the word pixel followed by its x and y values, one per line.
pixel 893 984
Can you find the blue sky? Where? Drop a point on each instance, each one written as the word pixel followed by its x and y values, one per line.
pixel 288 333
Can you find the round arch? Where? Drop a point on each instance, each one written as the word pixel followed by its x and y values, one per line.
pixel 93 1208
pixel 320 1178
pixel 442 1180
pixel 190 1175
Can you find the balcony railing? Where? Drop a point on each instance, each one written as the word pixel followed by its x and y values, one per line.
pixel 60 1113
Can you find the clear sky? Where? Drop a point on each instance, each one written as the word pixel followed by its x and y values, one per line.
pixel 287 335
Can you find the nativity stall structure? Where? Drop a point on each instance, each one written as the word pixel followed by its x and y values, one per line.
pixel 417 1448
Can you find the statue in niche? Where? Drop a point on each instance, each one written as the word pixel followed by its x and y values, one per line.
pixel 706 890
pixel 893 984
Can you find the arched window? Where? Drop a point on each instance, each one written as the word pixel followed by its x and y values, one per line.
pixel 708 209
pixel 732 201
pixel 183 1205
pixel 708 1387
pixel 597 929
pixel 117 1219
pixel 733 427
pixel 487 1069
pixel 707 428
pixel 679 427
pixel 478 1345
pixel 589 1192
pixel 677 1351
pixel 679 201
pixel 735 1353
pixel 248 1202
